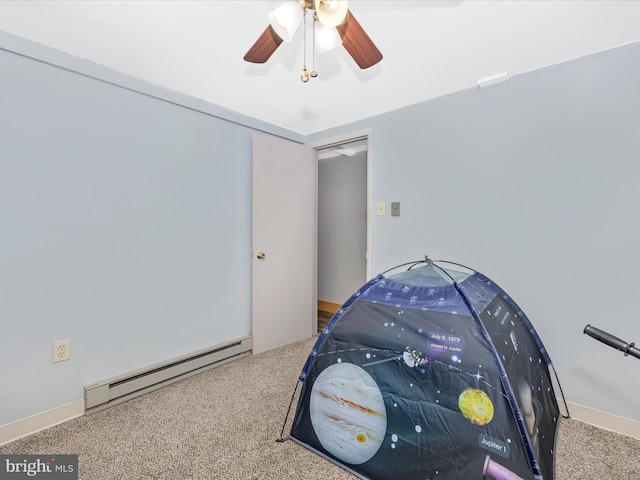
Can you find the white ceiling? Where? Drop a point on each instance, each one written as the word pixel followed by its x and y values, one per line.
pixel 430 47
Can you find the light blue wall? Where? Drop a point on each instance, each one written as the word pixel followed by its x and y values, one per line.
pixel 533 182
pixel 125 225
pixel 125 215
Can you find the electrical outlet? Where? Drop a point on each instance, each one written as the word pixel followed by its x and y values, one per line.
pixel 61 350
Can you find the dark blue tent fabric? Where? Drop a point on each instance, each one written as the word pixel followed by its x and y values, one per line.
pixel 432 373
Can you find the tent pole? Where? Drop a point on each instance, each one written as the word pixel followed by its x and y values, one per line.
pixel 282 437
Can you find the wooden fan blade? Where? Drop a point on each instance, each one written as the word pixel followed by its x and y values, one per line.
pixel 264 47
pixel 356 41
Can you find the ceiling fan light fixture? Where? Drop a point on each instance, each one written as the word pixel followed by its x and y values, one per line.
pixel 326 38
pixel 331 13
pixel 286 19
pixel 329 17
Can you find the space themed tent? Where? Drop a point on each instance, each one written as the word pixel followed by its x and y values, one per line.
pixel 431 373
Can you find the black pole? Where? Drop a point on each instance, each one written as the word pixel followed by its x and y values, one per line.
pixel 615 342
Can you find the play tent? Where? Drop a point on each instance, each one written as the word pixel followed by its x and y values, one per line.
pixel 433 373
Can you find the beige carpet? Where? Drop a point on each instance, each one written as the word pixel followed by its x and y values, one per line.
pixel 222 424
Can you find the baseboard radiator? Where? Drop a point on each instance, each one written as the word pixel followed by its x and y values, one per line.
pixel 119 389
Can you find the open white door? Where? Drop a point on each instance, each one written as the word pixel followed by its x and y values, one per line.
pixel 284 243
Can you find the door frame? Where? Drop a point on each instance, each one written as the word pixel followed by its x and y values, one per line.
pixel 345 138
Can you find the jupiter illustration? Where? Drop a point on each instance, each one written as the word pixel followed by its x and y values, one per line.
pixel 348 413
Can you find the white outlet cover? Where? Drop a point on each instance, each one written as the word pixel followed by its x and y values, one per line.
pixel 61 350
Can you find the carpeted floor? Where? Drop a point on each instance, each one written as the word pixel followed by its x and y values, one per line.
pixel 222 424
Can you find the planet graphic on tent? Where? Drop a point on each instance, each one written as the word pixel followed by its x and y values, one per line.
pixel 348 413
pixel 476 406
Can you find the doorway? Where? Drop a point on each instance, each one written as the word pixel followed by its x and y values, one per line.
pixel 342 223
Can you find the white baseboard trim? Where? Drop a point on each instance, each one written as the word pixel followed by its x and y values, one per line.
pixel 605 420
pixel 40 421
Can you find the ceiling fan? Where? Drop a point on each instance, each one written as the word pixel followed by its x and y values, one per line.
pixel 333 24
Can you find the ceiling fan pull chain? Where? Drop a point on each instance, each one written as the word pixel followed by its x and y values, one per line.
pixel 304 74
pixel 314 73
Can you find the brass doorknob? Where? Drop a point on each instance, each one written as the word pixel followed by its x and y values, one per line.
pixel 260 255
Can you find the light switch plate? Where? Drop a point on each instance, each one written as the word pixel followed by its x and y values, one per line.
pixel 395 209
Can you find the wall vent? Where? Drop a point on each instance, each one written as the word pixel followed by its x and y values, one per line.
pixel 119 389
